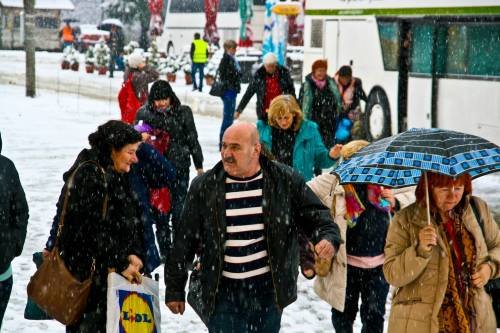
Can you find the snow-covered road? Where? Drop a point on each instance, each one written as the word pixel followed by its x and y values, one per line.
pixel 43 136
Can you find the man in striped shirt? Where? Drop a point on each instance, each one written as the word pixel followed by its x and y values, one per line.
pixel 242 218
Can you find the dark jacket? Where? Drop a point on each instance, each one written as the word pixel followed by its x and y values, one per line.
pixel 13 213
pixel 229 74
pixel 178 122
pixel 323 106
pixel 87 235
pixel 258 86
pixel 152 171
pixel 367 238
pixel 204 228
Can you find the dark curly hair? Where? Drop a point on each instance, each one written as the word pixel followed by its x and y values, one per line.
pixel 113 134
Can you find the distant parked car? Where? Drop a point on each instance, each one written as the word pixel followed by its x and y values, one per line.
pixel 90 35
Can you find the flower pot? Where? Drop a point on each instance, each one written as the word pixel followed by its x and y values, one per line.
pixel 189 78
pixel 171 77
pixel 209 80
pixel 89 68
pixel 102 70
pixel 75 66
pixel 65 64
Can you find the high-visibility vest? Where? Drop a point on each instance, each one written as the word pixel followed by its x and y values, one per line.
pixel 200 51
pixel 67 34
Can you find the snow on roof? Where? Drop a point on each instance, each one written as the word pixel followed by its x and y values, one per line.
pixel 41 4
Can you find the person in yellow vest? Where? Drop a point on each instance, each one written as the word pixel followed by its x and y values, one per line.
pixel 67 35
pixel 199 57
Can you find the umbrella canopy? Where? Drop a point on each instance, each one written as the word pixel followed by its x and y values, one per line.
pixel 107 23
pixel 399 160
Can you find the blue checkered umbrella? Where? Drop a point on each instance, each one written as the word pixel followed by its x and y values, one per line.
pixel 399 160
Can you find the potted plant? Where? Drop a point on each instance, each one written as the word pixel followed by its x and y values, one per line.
pixel 90 60
pixel 171 75
pixel 74 60
pixel 187 74
pixel 102 57
pixel 65 63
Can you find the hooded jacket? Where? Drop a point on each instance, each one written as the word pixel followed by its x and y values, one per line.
pixel 258 86
pixel 204 227
pixel 178 122
pixel 13 213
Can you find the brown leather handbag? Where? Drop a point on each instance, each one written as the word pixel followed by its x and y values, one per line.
pixel 53 288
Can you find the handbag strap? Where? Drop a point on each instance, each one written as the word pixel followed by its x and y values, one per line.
pixel 478 216
pixel 66 199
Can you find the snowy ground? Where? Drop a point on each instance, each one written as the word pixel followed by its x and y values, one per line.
pixel 43 136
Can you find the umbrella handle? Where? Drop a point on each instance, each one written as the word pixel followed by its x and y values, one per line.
pixel 427 199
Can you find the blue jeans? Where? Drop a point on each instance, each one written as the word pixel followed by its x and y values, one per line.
pixel 5 289
pixel 238 312
pixel 373 288
pixel 197 68
pixel 229 101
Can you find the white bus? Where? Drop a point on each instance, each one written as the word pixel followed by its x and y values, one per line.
pixel 185 17
pixel 424 63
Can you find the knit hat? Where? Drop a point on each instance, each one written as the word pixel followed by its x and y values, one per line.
pixel 320 63
pixel 135 59
pixel 270 58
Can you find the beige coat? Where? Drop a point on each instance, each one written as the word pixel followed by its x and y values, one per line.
pixel 331 288
pixel 421 282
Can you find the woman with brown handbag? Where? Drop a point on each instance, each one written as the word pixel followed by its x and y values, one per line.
pixel 102 218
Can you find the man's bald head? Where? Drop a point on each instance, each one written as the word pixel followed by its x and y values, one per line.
pixel 244 130
pixel 241 150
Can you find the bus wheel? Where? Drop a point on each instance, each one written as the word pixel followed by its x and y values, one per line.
pixel 377 115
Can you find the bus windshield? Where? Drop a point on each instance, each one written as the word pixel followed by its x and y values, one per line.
pixel 197 6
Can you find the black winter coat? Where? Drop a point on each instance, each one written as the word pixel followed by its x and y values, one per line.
pixel 296 207
pixel 86 234
pixel 179 123
pixel 13 213
pixel 229 74
pixel 258 86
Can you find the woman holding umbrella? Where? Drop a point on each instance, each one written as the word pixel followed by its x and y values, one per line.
pixel 440 268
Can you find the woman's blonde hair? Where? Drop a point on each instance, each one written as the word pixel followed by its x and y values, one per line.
pixel 281 105
pixel 352 147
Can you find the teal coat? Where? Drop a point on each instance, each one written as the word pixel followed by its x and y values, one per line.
pixel 309 152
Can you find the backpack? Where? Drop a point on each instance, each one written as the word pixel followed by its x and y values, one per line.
pixel 160 198
pixel 128 101
pixel 493 286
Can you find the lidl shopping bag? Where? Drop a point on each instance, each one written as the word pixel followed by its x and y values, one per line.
pixel 133 308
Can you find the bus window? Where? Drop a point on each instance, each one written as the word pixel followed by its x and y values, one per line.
pixel 421 48
pixel 228 6
pixel 186 6
pixel 389 40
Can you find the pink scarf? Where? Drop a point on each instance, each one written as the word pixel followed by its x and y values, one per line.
pixel 319 83
pixel 347 93
pixel 354 206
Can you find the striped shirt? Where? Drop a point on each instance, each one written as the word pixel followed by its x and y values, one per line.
pixel 246 263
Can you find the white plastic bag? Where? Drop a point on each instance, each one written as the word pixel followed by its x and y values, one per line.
pixel 133 308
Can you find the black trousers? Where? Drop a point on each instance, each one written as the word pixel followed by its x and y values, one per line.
pixel 5 290
pixel 373 288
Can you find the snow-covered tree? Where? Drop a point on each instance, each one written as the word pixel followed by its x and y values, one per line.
pixel 102 54
pixel 90 56
pixel 153 54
